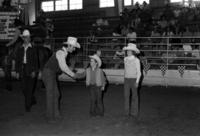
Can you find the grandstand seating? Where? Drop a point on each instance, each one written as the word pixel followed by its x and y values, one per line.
pixel 80 24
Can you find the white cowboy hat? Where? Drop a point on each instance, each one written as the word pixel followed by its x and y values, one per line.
pixel 132 47
pixel 72 41
pixel 26 33
pixel 95 57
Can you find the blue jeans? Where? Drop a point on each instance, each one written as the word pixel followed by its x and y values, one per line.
pixel 96 101
pixel 130 97
pixel 52 94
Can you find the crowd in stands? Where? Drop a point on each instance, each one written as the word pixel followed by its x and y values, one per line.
pixel 167 21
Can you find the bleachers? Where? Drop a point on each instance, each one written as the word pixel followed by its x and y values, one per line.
pixel 80 24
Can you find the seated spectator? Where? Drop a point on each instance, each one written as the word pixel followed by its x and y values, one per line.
pixel 187 34
pixel 195 51
pixel 132 35
pixel 118 57
pixel 155 33
pixel 169 57
pixel 187 50
pixel 124 30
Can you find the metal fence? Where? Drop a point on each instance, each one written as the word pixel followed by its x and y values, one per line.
pixel 156 52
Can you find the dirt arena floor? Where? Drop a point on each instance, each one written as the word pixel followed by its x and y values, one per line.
pixel 171 111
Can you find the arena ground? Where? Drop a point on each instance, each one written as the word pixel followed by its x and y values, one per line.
pixel 164 111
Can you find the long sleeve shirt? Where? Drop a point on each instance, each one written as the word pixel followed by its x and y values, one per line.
pixel 61 57
pixel 132 68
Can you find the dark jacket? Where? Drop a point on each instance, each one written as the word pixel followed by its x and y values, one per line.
pixel 32 64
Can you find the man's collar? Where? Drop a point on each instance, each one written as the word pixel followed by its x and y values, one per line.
pixel 29 45
pixel 65 50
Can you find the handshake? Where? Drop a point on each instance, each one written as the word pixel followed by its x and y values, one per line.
pixel 78 76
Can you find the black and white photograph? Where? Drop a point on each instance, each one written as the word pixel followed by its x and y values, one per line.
pixel 99 67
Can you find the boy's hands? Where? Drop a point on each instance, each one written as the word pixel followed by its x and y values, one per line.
pixel 102 88
pixel 77 76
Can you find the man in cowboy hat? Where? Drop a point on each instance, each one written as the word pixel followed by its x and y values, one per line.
pixel 132 74
pixel 26 68
pixel 54 66
pixel 95 81
pixel 9 60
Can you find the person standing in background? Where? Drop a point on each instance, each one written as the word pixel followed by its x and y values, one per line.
pixel 27 68
pixel 9 59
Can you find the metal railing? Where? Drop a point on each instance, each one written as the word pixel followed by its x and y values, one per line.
pixel 156 52
pixel 168 52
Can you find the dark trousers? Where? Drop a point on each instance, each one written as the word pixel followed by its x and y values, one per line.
pixel 96 101
pixel 130 97
pixel 28 87
pixel 7 65
pixel 52 94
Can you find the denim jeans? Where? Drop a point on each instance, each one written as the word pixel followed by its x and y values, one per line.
pixel 52 94
pixel 96 101
pixel 130 97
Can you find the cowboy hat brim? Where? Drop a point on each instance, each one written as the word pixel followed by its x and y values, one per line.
pixel 77 45
pixel 95 57
pixel 131 49
pixel 25 35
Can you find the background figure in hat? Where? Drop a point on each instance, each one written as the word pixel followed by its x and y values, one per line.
pixel 132 74
pixel 55 66
pixel 16 41
pixel 9 59
pixel 27 68
pixel 95 81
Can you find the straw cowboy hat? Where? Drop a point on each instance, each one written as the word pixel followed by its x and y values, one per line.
pixel 26 33
pixel 132 47
pixel 95 57
pixel 72 41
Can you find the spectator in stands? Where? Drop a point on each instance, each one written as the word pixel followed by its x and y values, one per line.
pixel 187 50
pixel 195 51
pixel 96 81
pixel 55 66
pixel 196 54
pixel 118 57
pixel 132 76
pixel 132 35
pixel 155 34
pixel 27 68
pixel 124 30
pixel 187 32
pixel 168 32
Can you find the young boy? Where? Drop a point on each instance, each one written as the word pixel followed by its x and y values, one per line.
pixel 95 81
pixel 132 74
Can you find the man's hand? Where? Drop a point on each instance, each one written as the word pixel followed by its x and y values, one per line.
pixel 136 85
pixel 33 74
pixel 17 75
pixel 8 44
pixel 102 88
pixel 76 76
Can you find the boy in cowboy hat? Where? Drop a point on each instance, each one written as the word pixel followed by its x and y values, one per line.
pixel 54 66
pixel 132 74
pixel 26 68
pixel 96 81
